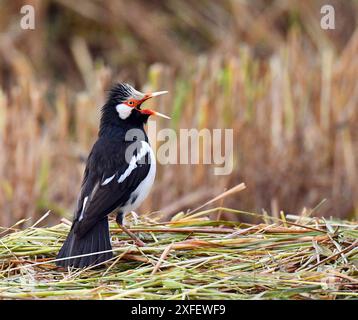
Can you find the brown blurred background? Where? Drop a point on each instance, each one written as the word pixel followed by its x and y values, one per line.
pixel 264 68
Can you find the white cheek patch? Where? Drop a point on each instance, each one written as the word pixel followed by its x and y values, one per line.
pixel 123 110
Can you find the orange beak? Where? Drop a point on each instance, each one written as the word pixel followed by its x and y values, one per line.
pixel 152 112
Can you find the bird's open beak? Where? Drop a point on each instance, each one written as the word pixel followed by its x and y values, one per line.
pixel 152 112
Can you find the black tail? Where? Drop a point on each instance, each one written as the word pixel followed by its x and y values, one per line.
pixel 95 240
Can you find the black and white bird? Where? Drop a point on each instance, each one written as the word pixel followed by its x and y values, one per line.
pixel 119 174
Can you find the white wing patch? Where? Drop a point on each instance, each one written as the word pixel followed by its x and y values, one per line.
pixel 108 180
pixel 123 110
pixel 133 163
pixel 142 191
pixel 145 148
pixel 83 209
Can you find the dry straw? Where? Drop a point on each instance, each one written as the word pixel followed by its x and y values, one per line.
pixel 192 257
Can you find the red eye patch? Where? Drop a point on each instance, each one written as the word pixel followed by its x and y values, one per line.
pixel 131 103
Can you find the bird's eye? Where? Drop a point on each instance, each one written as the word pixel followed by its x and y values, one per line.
pixel 130 103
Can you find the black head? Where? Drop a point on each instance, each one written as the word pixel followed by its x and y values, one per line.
pixel 123 107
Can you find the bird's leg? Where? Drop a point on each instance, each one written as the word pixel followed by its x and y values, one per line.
pixel 119 220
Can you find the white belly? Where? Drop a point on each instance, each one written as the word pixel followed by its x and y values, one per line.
pixel 143 189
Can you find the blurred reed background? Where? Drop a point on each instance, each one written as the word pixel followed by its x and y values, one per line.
pixel 264 68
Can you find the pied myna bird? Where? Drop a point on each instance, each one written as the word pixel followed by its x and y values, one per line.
pixel 119 174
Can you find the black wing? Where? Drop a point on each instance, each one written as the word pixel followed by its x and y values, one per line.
pixel 101 192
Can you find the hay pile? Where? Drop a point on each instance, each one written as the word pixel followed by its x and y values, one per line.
pixel 192 257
